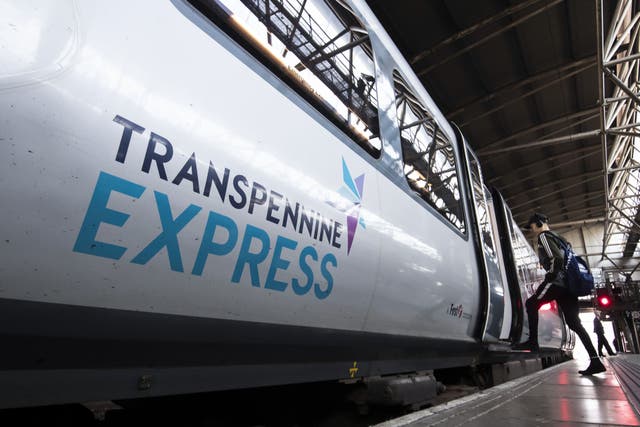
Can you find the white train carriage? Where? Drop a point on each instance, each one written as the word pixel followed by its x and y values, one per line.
pixel 185 210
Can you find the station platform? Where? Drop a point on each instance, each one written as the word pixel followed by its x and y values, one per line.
pixel 555 396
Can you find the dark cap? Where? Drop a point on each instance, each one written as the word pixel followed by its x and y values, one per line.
pixel 537 218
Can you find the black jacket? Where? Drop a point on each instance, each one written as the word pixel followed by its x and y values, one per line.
pixel 551 257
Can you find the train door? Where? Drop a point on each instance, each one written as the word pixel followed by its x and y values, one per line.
pixel 496 295
pixel 507 320
pixel 514 258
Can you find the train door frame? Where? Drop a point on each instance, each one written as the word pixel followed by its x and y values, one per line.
pixel 483 309
pixel 508 312
pixel 505 228
pixel 487 254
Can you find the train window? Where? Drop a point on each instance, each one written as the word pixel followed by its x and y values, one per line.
pixel 481 195
pixel 429 159
pixel 318 47
pixel 526 260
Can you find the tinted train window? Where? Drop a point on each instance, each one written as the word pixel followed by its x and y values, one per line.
pixel 429 159
pixel 480 197
pixel 318 47
pixel 526 260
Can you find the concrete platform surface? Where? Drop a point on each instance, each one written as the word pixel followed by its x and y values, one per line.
pixel 555 396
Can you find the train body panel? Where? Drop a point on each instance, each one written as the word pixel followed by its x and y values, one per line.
pixel 170 200
pixel 422 257
pixel 78 162
pixel 83 178
pixel 422 285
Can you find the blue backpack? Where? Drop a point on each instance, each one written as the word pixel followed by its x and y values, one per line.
pixel 578 277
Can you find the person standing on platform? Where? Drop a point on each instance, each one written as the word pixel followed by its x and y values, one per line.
pixel 602 340
pixel 554 287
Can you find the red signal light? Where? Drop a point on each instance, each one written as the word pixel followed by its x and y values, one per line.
pixel 545 307
pixel 604 301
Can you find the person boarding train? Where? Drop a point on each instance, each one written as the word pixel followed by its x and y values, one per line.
pixel 554 287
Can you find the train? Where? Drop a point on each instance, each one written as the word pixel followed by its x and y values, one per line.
pixel 207 195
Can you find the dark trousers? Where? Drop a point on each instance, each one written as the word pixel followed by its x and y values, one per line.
pixel 602 341
pixel 569 306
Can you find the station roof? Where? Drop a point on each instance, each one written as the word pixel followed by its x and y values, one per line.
pixel 520 78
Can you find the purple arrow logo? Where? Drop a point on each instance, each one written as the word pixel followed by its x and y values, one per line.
pixel 351 190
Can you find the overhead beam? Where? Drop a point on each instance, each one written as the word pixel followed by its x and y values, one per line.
pixel 572 209
pixel 570 213
pixel 582 197
pixel 565 188
pixel 591 112
pixel 569 204
pixel 581 214
pixel 622 60
pixel 624 227
pixel 503 91
pixel 461 34
pixel 547 160
pixel 621 85
pixel 603 113
pixel 622 8
pixel 622 36
pixel 616 269
pixel 564 164
pixel 560 179
pixel 580 223
pixel 621 41
pixel 634 269
pixel 551 141
pixel 627 217
pixel 626 168
pixel 623 197
pixel 485 39
pixel 527 94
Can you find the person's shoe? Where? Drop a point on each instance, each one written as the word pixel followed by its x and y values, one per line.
pixel 595 367
pixel 527 345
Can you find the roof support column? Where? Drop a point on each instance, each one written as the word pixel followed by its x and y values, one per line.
pixel 603 135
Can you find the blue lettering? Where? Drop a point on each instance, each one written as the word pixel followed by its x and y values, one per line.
pixel 278 263
pixel 253 259
pixel 328 259
pixel 208 246
pixel 98 212
pixel 169 235
pixel 308 251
